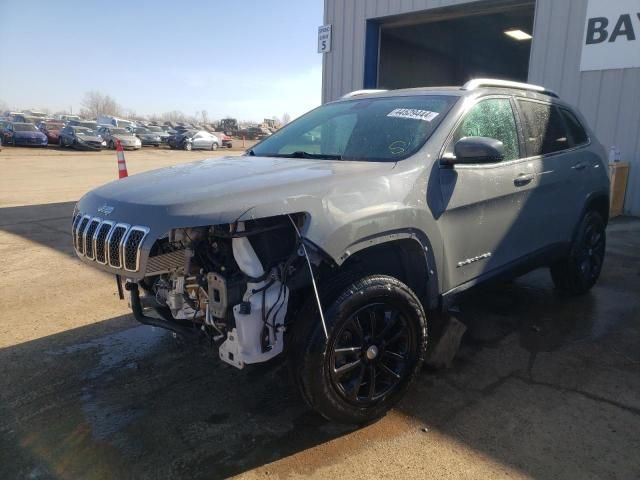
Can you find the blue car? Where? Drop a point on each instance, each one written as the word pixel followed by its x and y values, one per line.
pixel 25 134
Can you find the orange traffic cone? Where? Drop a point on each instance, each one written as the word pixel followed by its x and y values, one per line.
pixel 122 165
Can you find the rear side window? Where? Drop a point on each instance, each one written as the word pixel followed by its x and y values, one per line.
pixel 544 129
pixel 491 118
pixel 577 131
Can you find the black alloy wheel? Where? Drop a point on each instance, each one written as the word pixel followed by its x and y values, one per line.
pixel 371 353
pixel 377 340
pixel 580 270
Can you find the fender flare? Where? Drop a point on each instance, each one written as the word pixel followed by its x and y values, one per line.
pixel 432 299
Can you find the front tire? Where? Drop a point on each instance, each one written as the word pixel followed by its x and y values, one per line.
pixel 377 343
pixel 187 146
pixel 214 146
pixel 579 271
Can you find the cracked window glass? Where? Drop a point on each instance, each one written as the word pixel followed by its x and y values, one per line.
pixel 544 130
pixel 492 118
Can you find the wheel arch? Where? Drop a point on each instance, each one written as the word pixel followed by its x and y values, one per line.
pixel 407 256
pixel 600 203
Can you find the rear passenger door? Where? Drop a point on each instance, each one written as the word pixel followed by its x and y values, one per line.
pixel 561 173
pixel 487 219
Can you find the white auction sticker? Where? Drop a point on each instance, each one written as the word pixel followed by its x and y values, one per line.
pixel 424 115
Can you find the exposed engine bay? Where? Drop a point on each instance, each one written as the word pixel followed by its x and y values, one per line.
pixel 230 282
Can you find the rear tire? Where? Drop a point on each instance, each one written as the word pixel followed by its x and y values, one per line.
pixel 214 146
pixel 377 343
pixel 579 271
pixel 187 146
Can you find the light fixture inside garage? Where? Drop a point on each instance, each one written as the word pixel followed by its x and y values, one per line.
pixel 518 34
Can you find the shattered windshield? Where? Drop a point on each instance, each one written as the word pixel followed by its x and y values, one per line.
pixel 370 129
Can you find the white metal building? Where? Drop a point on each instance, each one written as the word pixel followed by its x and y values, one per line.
pixel 586 50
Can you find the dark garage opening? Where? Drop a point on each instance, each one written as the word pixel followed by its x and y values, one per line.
pixel 451 46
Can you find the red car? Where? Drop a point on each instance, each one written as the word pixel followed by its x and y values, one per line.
pixel 51 130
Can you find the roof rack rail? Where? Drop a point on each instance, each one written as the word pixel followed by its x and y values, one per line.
pixel 362 92
pixel 492 82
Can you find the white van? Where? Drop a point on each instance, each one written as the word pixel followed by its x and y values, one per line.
pixel 114 121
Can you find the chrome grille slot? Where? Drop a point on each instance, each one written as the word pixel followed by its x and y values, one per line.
pixel 100 240
pixel 82 225
pixel 131 249
pixel 89 251
pixel 74 226
pixel 114 244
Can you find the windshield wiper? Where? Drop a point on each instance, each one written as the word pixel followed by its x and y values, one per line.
pixel 302 154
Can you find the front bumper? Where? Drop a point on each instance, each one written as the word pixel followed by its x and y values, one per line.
pixel 30 142
pixel 88 146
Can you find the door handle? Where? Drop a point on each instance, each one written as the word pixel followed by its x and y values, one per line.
pixel 523 179
pixel 579 166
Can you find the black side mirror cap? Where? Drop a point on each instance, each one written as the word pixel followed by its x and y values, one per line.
pixel 469 150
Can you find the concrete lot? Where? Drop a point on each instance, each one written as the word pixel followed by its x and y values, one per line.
pixel 544 387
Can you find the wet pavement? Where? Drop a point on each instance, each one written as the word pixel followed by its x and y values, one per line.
pixel 543 387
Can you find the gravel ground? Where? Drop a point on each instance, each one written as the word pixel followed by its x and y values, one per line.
pixel 543 387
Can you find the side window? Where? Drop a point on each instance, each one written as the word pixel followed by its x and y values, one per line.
pixel 544 129
pixel 577 131
pixel 491 118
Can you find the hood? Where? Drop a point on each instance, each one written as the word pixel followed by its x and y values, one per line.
pixel 220 190
pixel 125 138
pixel 346 201
pixel 89 138
pixel 22 134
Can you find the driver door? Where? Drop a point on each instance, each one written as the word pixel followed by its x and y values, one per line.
pixel 487 219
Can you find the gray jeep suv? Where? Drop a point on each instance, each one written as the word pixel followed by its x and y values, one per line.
pixel 335 241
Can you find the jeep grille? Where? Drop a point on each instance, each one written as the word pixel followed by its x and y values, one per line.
pixel 109 243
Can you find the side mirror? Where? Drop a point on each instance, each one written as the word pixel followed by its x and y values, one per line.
pixel 477 150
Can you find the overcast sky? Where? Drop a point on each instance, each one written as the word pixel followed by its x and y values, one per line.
pixel 246 58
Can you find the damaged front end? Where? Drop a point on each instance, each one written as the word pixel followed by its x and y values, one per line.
pixel 231 283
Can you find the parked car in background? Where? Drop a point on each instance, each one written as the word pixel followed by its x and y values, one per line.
pixel 66 118
pixel 115 121
pixel 224 139
pixel 81 138
pixel 19 118
pixel 147 137
pixel 24 134
pixel 195 140
pixel 155 129
pixel 51 130
pixel 127 139
pixel 36 113
pixel 254 133
pixel 90 124
pixel 3 128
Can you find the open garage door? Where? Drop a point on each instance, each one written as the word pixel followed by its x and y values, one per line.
pixel 451 45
